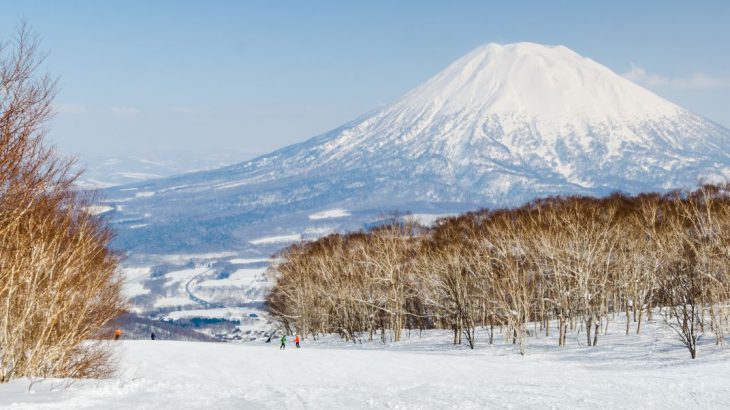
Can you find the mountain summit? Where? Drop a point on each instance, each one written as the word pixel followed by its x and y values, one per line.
pixel 500 126
pixel 551 84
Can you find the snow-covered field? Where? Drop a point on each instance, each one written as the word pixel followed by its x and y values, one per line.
pixel 277 239
pixel 329 214
pixel 134 281
pixel 244 261
pixel 218 313
pixel 647 371
pixel 241 278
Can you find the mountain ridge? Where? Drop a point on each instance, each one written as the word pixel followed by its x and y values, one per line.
pixel 499 126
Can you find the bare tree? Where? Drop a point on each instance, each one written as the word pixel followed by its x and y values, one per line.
pixel 577 260
pixel 58 280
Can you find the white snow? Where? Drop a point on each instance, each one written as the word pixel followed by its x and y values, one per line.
pixel 646 371
pixel 277 239
pixel 246 261
pixel 173 301
pixel 330 214
pixel 187 257
pixel 242 278
pixel 247 274
pixel 98 209
pixel 138 175
pixel 313 232
pixel 551 83
pixel 133 278
pixel 222 313
pixel 184 274
pixel 498 127
pixel 429 219
pixel 133 289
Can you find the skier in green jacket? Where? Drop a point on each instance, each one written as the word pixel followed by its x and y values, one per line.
pixel 283 342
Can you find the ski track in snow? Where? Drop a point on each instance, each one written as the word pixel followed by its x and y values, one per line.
pixel 646 371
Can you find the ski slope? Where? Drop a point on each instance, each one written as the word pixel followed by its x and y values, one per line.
pixel 646 371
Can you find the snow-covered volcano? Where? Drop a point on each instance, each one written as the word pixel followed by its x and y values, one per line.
pixel 501 125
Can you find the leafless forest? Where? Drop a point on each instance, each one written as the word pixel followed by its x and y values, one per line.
pixel 57 275
pixel 553 265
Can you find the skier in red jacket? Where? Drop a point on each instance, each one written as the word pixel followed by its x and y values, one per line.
pixel 296 341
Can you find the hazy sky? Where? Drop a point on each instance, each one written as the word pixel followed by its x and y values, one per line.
pixel 159 77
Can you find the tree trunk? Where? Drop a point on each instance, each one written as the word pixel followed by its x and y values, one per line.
pixel 634 309
pixel 456 332
pixel 650 305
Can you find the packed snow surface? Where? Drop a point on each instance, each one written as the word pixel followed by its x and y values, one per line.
pixel 650 371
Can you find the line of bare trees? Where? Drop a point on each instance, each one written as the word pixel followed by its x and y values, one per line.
pixel 58 284
pixel 573 263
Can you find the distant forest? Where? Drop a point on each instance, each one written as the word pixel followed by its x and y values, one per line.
pixel 572 261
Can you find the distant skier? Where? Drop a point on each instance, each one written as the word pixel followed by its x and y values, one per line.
pixel 283 342
pixel 152 336
pixel 296 340
pixel 117 334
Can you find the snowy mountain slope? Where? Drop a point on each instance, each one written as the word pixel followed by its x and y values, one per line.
pixel 649 371
pixel 501 125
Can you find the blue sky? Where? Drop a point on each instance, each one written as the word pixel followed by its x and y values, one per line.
pixel 159 77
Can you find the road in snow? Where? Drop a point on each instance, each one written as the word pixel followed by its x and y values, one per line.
pixel 196 299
